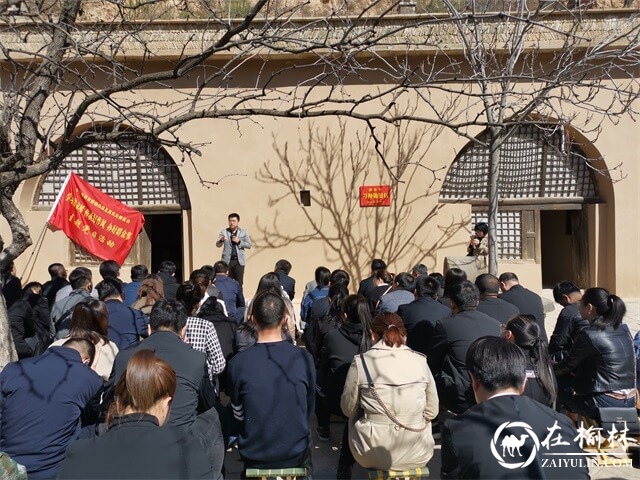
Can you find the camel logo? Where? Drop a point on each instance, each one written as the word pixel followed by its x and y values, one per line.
pixel 511 445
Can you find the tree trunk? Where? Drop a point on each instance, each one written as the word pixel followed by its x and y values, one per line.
pixel 7 348
pixel 495 142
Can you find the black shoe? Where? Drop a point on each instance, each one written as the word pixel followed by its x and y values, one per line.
pixel 324 433
pixel 344 472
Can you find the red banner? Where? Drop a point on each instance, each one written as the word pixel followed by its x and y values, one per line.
pixel 100 224
pixel 375 196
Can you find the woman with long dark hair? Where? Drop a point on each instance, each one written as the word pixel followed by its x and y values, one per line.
pixel 271 281
pixel 134 445
pixel 339 347
pixel 331 320
pixel 390 398
pixel 453 277
pixel 599 370
pixel 201 334
pixel 541 381
pixel 90 320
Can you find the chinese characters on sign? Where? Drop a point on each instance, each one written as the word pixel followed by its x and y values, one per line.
pixel 375 196
pixel 99 223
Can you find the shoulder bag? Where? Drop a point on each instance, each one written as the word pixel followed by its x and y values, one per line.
pixel 386 410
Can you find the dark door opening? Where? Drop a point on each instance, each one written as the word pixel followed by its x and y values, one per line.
pixel 165 237
pixel 564 247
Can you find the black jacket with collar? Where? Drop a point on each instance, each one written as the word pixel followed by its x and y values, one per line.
pixel 137 447
pixel 189 365
pixel 529 303
pixel 602 360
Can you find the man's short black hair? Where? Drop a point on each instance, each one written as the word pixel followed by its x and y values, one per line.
pixel 79 280
pixel 406 281
pixel 56 270
pixel 139 273
pixel 322 276
pixel 508 277
pixel 283 266
pixel 109 269
pixel 82 346
pixel 488 284
pixel 482 226
pixel 340 276
pixel 427 287
pixel 220 267
pixel 564 288
pixel 168 267
pixel 233 215
pixel 109 288
pixel 496 363
pixel 80 272
pixel 378 264
pixel 267 309
pixel 464 295
pixel 419 270
pixel 171 315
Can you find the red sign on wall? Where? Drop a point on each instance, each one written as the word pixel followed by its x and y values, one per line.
pixel 100 224
pixel 375 196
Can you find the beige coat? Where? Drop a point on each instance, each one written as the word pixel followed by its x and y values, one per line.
pixel 405 385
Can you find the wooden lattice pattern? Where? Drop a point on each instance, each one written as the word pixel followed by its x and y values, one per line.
pixel 136 174
pixel 538 161
pixel 509 232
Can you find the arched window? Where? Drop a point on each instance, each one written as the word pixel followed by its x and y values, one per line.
pixel 540 167
pixel 140 174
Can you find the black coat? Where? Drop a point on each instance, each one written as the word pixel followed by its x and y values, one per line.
pixel 288 283
pixel 453 336
pixel 190 367
pixel 136 447
pixel 568 325
pixel 170 285
pixel 338 349
pixel 600 360
pixel 529 303
pixel 467 439
pixel 497 308
pixel 366 286
pixel 420 317
pixel 29 318
pixel 50 288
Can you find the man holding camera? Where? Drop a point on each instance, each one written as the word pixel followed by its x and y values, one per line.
pixel 234 241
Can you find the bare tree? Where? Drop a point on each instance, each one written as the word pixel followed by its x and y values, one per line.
pixel 332 164
pixel 478 68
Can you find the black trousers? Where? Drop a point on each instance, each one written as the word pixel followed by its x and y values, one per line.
pixel 236 271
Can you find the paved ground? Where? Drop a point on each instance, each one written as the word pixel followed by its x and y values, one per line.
pixel 325 454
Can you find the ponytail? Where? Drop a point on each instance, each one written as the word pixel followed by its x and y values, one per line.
pixel 610 308
pixel 526 335
pixel 389 327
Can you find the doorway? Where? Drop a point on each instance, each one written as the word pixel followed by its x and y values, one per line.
pixel 164 232
pixel 564 247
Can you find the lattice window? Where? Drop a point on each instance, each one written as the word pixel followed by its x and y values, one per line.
pixel 537 161
pixel 136 174
pixel 509 232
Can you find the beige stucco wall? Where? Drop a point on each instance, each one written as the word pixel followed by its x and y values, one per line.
pixel 280 227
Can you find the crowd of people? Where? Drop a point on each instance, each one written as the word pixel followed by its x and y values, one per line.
pixel 155 378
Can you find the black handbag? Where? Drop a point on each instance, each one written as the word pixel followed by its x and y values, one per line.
pixel 617 417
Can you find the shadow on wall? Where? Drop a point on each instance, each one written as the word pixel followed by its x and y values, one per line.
pixel 332 164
